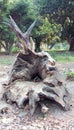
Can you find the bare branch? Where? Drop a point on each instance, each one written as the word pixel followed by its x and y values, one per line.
pixel 23 37
pixel 28 32
pixel 13 24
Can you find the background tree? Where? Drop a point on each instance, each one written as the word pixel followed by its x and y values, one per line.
pixel 55 19
pixel 6 38
pixel 47 32
pixel 62 12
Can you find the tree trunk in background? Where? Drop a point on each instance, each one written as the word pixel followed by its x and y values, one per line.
pixel 37 45
pixel 7 47
pixel 71 43
pixel 0 47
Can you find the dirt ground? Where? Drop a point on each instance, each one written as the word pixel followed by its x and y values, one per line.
pixel 13 118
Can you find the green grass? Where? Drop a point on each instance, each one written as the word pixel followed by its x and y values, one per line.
pixel 62 56
pixel 59 56
pixel 70 75
pixel 6 60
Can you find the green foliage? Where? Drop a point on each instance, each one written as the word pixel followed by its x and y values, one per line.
pixel 15 49
pixel 23 13
pixel 60 11
pixel 49 30
pixel 55 17
pixel 6 38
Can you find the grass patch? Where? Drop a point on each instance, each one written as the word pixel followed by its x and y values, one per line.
pixel 6 60
pixel 59 56
pixel 62 56
pixel 70 75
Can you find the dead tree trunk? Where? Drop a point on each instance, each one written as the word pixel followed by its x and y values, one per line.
pixel 33 77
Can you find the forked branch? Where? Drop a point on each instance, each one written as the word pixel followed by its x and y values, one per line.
pixel 23 37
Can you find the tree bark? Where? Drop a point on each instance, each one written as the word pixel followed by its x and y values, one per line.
pixel 34 79
pixel 71 43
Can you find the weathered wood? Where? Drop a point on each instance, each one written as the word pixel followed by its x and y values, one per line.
pixel 34 77
pixel 27 89
pixel 28 66
pixel 23 92
pixel 23 37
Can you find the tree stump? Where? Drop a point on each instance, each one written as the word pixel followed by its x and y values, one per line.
pixel 34 77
